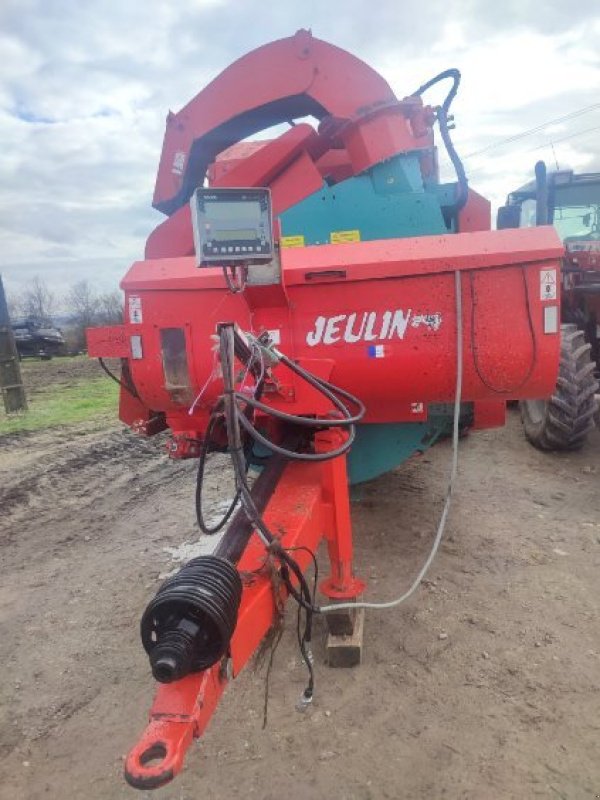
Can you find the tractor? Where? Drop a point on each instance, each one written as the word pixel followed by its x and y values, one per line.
pixel 570 202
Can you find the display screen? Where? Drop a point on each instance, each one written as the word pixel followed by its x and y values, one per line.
pixel 224 211
pixel 232 225
pixel 231 236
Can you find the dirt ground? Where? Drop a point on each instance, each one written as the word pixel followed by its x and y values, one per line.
pixel 484 685
pixel 40 376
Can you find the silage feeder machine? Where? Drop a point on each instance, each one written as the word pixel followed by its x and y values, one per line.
pixel 321 308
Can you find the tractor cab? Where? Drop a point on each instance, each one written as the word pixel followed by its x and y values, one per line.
pixel 571 203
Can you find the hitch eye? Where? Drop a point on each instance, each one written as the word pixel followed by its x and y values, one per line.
pixel 154 755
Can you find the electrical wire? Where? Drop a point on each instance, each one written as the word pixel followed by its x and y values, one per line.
pixel 213 374
pixel 215 417
pixel 569 136
pixel 530 131
pixel 232 416
pixel 289 568
pixel 453 472
pixel 475 350
pixel 129 386
pixel 235 286
pixel 566 138
pixel 333 393
pixel 305 637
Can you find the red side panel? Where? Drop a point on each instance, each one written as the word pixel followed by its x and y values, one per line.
pixel 391 258
pixel 335 164
pixel 173 237
pixel 489 414
pixel 301 179
pixel 108 342
pixel 476 215
pixel 382 313
pixel 261 166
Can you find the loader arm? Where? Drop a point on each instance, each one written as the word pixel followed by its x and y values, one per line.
pixel 290 78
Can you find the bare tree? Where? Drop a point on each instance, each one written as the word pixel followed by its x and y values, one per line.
pixel 38 302
pixel 110 308
pixel 83 304
pixel 15 305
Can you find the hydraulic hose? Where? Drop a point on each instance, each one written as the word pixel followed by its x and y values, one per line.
pixel 442 115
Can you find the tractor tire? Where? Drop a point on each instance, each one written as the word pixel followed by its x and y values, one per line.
pixel 564 420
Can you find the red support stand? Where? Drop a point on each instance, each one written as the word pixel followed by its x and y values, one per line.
pixel 345 640
pixel 341 583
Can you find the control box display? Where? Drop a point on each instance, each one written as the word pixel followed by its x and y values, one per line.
pixel 232 226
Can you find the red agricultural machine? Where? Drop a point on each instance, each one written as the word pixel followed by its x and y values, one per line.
pixel 571 203
pixel 320 307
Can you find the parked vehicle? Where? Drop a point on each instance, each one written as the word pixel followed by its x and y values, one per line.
pixel 37 339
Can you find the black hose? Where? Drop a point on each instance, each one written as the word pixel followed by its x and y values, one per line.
pixel 296 456
pixel 442 115
pixel 204 451
pixel 330 391
pixel 128 385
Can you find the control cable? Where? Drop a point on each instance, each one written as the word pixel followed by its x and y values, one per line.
pixel 451 482
pixel 453 471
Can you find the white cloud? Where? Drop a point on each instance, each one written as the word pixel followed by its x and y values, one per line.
pixel 85 88
pixel 513 81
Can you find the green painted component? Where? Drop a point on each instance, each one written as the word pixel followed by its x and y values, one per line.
pixel 378 448
pixel 398 175
pixel 388 201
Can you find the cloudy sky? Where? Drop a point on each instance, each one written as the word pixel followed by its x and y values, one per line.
pixel 85 87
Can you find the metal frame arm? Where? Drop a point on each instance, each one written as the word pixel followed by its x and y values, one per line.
pixel 303 508
pixel 283 80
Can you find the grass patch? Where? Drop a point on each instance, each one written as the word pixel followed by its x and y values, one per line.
pixel 93 400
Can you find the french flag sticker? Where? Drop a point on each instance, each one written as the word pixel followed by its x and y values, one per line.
pixel 376 351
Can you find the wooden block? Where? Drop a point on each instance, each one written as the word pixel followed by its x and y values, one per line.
pixel 346 650
pixel 341 623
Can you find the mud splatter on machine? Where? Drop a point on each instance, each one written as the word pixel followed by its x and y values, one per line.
pixel 321 307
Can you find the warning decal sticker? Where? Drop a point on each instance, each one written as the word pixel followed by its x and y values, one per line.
pixel 548 284
pixel 178 163
pixel 292 241
pixel 135 310
pixel 341 237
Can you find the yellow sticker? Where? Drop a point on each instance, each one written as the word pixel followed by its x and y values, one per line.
pixel 292 241
pixel 341 237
